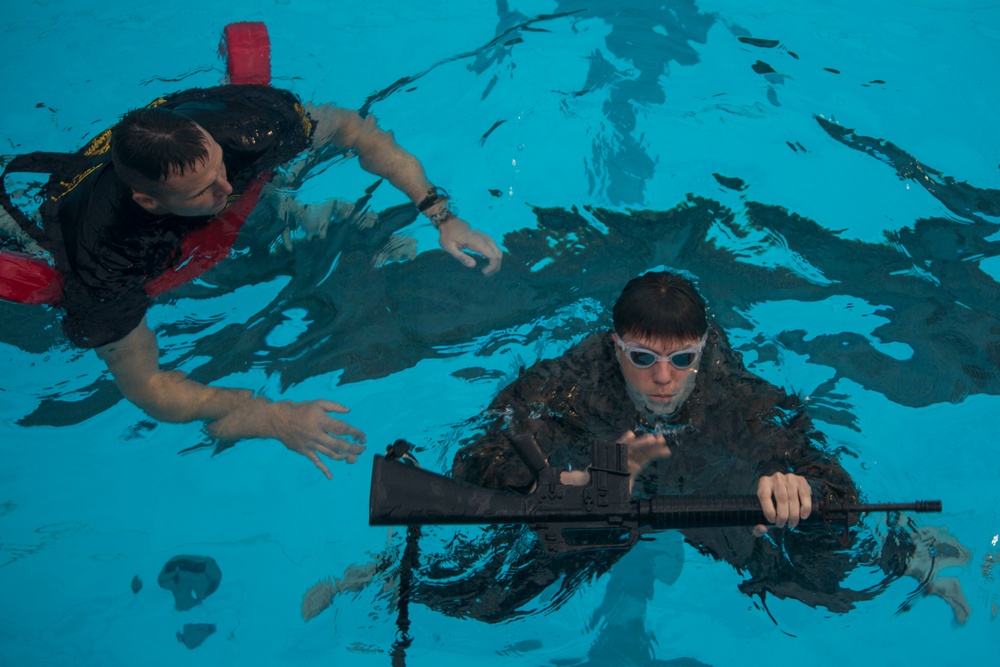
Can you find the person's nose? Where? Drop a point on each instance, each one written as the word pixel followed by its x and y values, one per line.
pixel 663 372
pixel 224 185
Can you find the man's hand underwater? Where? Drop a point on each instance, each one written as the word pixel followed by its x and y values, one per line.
pixel 306 428
pixel 457 236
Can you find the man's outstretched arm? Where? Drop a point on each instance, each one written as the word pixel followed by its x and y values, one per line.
pixel 233 414
pixel 379 154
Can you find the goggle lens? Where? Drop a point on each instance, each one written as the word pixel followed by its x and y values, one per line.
pixel 683 360
pixel 641 358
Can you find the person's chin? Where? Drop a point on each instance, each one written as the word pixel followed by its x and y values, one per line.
pixel 660 407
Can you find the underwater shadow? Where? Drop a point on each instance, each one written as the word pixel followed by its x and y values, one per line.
pixel 374 311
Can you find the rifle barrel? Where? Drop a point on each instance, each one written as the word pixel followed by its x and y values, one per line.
pixel 917 506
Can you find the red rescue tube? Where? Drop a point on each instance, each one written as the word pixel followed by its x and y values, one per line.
pixel 247 49
pixel 27 279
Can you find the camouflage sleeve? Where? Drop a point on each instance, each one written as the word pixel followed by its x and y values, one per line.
pixel 542 405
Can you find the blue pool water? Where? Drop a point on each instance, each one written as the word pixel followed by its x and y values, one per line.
pixel 517 107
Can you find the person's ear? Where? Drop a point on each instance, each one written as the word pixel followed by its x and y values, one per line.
pixel 148 202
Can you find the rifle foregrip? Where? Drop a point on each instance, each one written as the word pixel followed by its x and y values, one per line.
pixel 672 512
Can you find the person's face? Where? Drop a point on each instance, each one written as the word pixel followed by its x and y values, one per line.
pixel 663 386
pixel 200 190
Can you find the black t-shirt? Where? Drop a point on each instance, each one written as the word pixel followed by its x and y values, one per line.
pixel 111 247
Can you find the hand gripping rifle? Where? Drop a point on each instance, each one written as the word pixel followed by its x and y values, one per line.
pixel 602 514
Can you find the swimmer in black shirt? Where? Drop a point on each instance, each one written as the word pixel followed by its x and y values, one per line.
pixel 174 167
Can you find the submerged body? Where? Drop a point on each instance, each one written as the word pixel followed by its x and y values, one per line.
pixel 732 430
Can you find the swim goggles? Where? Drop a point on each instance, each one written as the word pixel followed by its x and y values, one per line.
pixel 642 357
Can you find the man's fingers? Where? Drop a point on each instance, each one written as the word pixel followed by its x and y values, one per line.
pixel 335 426
pixel 319 464
pixel 800 500
pixel 340 429
pixel 333 449
pixel 337 456
pixel 330 406
pixel 467 260
pixel 339 446
pixel 494 264
pixel 492 253
pixel 782 500
pixel 791 505
pixel 805 494
pixel 574 477
pixel 765 492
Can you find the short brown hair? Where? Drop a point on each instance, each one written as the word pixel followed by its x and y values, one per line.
pixel 660 304
pixel 151 144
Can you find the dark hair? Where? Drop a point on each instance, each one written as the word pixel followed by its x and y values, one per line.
pixel 151 144
pixel 660 304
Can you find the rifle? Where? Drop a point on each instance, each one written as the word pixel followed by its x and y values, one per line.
pixel 602 514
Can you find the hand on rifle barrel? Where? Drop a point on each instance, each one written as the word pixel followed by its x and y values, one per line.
pixel 784 499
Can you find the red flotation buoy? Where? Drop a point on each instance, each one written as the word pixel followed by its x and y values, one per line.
pixel 27 279
pixel 247 49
